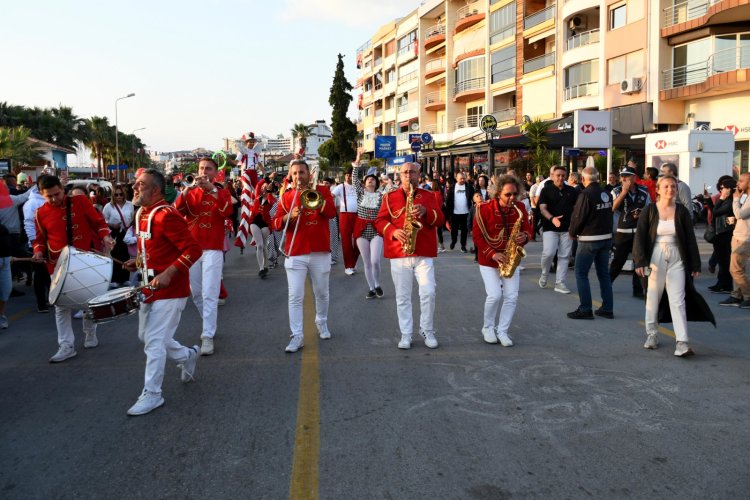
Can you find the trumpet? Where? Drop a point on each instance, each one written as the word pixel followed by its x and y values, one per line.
pixel 189 180
pixel 310 199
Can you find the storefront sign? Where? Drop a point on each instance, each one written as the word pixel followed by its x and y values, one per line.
pixel 592 129
pixel 385 146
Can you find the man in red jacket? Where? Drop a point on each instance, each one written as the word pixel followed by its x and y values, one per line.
pixel 206 207
pixel 52 237
pixel 307 245
pixel 166 252
pixel 419 265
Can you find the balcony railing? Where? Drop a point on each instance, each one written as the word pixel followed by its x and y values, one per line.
pixel 468 10
pixel 467 121
pixel 378 61
pixel 434 97
pixel 539 17
pixel 505 115
pixel 719 62
pixel 466 85
pixel 407 48
pixel 378 113
pixel 685 11
pixel 581 39
pixel 378 86
pixel 432 129
pixel 405 78
pixel 539 62
pixel 438 29
pixel 406 107
pixel 582 90
pixel 434 65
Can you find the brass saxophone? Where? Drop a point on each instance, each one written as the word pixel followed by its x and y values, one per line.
pixel 411 226
pixel 513 250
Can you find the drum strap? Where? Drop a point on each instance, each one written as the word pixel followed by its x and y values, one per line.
pixel 69 220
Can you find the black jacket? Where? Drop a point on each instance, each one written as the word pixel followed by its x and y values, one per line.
pixel 592 214
pixel 687 245
pixel 722 210
pixel 450 198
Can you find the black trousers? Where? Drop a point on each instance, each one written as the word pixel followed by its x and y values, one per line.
pixel 723 253
pixel 459 222
pixel 623 248
pixel 42 282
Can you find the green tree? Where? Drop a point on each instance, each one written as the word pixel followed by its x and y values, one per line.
pixel 344 130
pixel 328 151
pixel 99 137
pixel 301 132
pixel 537 142
pixel 15 144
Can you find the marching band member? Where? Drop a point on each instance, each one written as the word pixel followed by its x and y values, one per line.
pixel 369 242
pixel 62 221
pixel 404 267
pixel 166 252
pixel 494 225
pixel 206 207
pixel 346 197
pixel 307 245
pixel 261 222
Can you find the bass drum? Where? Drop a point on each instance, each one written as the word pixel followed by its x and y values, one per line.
pixel 79 277
pixel 114 304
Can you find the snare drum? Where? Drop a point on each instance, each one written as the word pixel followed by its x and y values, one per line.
pixel 79 277
pixel 114 304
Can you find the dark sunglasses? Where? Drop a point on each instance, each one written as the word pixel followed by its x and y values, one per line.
pixel 508 195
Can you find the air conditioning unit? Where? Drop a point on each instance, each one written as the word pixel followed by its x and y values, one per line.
pixel 630 86
pixel 578 23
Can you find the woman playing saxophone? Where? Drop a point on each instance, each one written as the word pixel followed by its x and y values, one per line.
pixel 501 229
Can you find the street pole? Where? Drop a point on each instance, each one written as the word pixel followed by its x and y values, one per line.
pixel 117 138
pixel 134 151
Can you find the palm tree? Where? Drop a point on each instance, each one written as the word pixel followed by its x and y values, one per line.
pixel 15 144
pixel 301 132
pixel 99 136
pixel 537 141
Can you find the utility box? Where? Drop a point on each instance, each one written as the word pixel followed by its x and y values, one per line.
pixel 701 156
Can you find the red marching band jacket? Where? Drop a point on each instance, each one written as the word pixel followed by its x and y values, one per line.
pixel 169 243
pixel 313 234
pixel 205 215
pixel 391 217
pixel 263 203
pixel 52 229
pixel 497 219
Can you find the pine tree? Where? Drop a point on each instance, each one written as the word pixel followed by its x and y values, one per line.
pixel 344 130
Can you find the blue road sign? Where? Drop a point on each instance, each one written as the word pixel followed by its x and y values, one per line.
pixel 426 138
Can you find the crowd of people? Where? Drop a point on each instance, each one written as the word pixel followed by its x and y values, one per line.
pixel 170 241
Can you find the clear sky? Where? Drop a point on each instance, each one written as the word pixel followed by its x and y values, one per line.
pixel 201 71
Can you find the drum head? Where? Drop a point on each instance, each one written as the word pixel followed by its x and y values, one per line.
pixel 58 275
pixel 112 296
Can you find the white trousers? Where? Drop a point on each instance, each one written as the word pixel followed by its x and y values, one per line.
pixel 667 271
pixel 499 290
pixel 260 235
pixel 560 243
pixel 318 266
pixel 205 283
pixel 157 323
pixel 64 321
pixel 371 252
pixel 402 271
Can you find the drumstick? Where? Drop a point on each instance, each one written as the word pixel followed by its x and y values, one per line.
pixel 21 259
pixel 116 261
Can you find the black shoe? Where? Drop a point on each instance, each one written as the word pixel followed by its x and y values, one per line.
pixel 463 250
pixel 711 269
pixel 578 314
pixel 745 304
pixel 714 288
pixel 42 309
pixel 719 289
pixel 604 314
pixel 571 264
pixel 263 273
pixel 16 293
pixel 453 245
pixel 639 295
pixel 378 291
pixel 371 294
pixel 730 302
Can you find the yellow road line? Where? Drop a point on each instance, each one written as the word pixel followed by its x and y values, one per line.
pixel 20 314
pixel 305 479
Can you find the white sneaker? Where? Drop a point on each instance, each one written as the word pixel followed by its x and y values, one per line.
pixel 543 281
pixel 63 353
pixel 429 339
pixel 78 315
pixel 296 343
pixel 349 271
pixel 323 331
pixel 505 341
pixel 405 342
pixel 561 288
pixel 147 402
pixel 221 302
pixel 188 366
pixel 91 341
pixel 521 268
pixel 683 350
pixel 3 322
pixel 489 335
pixel 651 342
pixel 207 346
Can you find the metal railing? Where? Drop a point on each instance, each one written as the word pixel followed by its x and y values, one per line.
pixel 435 64
pixel 582 90
pixel 505 115
pixel 539 62
pixel 467 121
pixel 432 129
pixel 466 85
pixel 539 17
pixel 364 46
pixel 685 11
pixel 378 86
pixel 467 10
pixel 406 107
pixel 581 39
pixel 404 50
pixel 723 60
pixel 438 29
pixel 434 97
pixel 409 76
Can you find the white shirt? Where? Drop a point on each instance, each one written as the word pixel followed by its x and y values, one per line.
pixel 350 204
pixel 460 204
pixel 112 216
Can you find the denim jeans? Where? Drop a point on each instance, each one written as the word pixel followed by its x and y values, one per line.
pixel 597 253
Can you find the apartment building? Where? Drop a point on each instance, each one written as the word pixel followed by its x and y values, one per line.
pixel 657 66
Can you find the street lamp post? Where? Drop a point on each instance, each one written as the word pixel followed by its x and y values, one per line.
pixel 134 152
pixel 117 138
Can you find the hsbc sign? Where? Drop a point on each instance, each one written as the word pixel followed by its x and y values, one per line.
pixel 593 129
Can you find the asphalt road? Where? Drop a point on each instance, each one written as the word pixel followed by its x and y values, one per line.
pixel 575 409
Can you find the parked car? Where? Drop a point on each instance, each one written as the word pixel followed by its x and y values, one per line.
pixel 87 183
